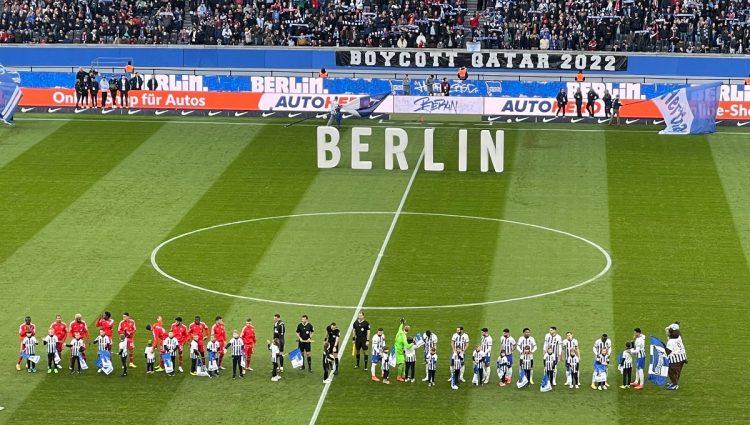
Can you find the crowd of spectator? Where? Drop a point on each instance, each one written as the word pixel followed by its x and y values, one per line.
pixel 716 26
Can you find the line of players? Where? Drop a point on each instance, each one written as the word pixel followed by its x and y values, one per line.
pixel 202 342
pixel 556 349
pixel 242 345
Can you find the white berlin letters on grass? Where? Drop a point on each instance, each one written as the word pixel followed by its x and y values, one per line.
pixel 395 143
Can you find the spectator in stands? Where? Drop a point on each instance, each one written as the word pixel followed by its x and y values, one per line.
pixel 323 73
pixel 700 26
pixel 579 77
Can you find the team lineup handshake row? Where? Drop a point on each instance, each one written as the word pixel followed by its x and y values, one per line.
pixel 207 348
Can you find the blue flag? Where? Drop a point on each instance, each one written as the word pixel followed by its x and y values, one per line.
pixel 546 385
pixel 690 110
pixel 295 356
pixel 364 106
pixel 10 94
pixel 659 367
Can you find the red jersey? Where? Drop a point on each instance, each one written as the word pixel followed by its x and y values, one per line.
pixel 159 333
pixel 199 329
pixel 219 331
pixel 127 326
pixel 60 329
pixel 26 328
pixel 180 331
pixel 248 335
pixel 106 326
pixel 79 327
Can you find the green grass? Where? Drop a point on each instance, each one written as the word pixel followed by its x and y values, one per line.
pixel 84 201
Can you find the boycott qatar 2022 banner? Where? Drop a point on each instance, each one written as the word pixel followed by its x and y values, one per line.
pixel 482 60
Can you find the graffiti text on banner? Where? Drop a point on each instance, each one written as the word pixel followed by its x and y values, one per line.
pixel 438 105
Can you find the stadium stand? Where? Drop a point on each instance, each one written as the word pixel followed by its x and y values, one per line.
pixel 690 26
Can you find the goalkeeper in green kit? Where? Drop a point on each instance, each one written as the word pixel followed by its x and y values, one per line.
pixel 399 344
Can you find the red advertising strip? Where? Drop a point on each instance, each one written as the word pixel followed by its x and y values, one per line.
pixel 237 101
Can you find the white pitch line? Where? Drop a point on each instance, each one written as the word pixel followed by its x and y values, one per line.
pixel 385 124
pixel 370 279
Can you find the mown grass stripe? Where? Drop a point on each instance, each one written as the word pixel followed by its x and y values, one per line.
pixel 678 258
pixel 14 141
pixel 87 254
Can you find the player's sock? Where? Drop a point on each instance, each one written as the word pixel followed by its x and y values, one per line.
pixel 462 372
pixel 309 363
pixel 372 369
pixel 365 359
pixel 358 357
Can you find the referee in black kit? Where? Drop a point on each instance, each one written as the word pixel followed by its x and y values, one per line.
pixel 333 336
pixel 304 336
pixel 361 337
pixel 279 330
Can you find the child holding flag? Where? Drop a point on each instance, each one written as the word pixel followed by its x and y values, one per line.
pixel 526 364
pixel 478 357
pixel 77 348
pixel 215 354
pixel 456 366
pixel 29 344
pixel 550 364
pixel 600 369
pixel 573 368
pixel 503 368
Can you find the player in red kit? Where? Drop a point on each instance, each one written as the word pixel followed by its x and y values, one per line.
pixel 160 334
pixel 78 325
pixel 248 341
pixel 105 322
pixel 199 329
pixel 180 332
pixel 127 328
pixel 60 329
pixel 25 328
pixel 220 333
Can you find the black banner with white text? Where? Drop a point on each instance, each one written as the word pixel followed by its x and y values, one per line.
pixel 492 60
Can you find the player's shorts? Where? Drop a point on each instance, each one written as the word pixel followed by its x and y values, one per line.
pixel 487 361
pixel 131 344
pixel 375 358
pixel 360 344
pixel 248 350
pixel 281 344
pixel 305 346
pixel 640 363
pixel 510 358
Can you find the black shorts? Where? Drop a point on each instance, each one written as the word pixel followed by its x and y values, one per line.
pixel 360 344
pixel 281 344
pixel 305 346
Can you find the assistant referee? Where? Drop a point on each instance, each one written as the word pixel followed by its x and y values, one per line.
pixel 361 337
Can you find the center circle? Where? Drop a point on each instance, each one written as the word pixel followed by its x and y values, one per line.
pixel 234 244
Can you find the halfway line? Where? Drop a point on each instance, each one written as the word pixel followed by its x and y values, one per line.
pixel 370 279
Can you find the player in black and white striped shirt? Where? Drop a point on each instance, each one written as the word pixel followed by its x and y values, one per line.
pixel 50 341
pixel 235 347
pixel 486 347
pixel 508 344
pixel 554 341
pixel 459 344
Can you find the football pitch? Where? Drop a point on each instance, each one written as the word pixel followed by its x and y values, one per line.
pixel 590 229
